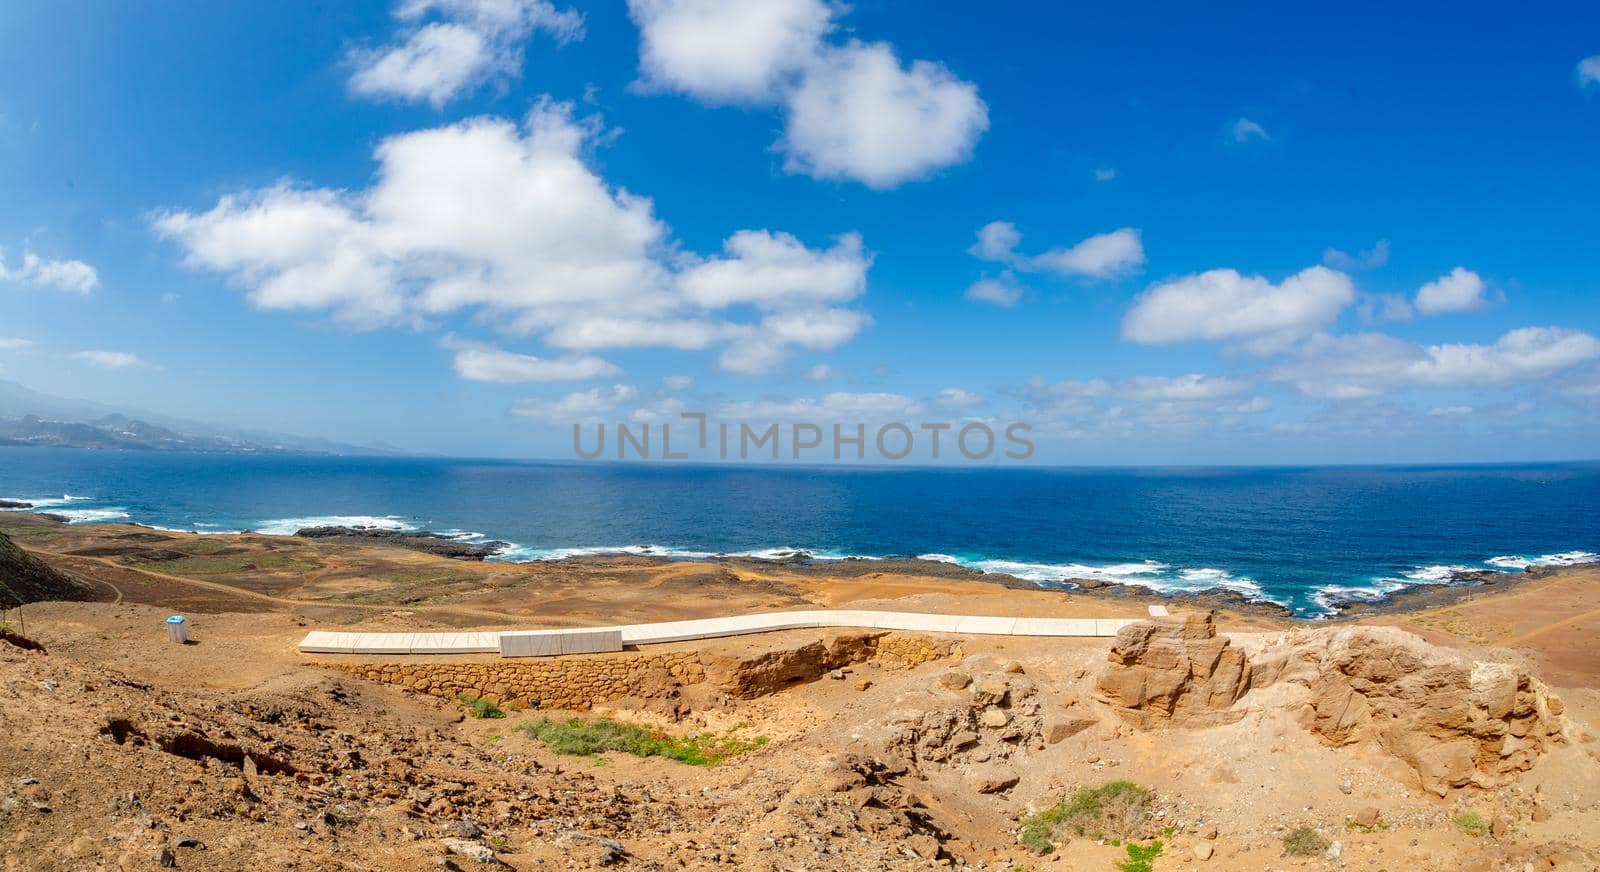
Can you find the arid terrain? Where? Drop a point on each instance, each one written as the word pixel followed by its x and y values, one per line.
pixel 1463 734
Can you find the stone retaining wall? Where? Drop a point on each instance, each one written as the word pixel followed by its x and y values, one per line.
pixel 579 682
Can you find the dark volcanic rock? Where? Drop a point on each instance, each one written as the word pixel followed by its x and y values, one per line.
pixel 432 543
pixel 14 504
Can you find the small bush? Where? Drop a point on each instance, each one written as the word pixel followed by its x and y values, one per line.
pixel 1116 809
pixel 1305 842
pixel 1140 857
pixel 481 707
pixel 1472 824
pixel 580 737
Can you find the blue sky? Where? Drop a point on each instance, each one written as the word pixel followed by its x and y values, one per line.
pixel 461 225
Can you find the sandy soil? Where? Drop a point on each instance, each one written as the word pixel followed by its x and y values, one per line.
pixel 251 598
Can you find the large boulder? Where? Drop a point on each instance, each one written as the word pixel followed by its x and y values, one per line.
pixel 1174 671
pixel 1454 721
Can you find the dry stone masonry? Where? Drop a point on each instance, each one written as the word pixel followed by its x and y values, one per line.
pixel 580 682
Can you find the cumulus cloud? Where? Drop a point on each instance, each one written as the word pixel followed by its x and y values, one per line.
pixel 513 224
pixel 1000 292
pixel 859 114
pixel 112 359
pixel 727 52
pixel 1371 258
pixel 767 268
pixel 1108 408
pixel 13 343
pixel 959 398
pixel 1244 130
pixel 578 407
pixel 1223 305
pixel 449 47
pixel 1462 290
pixel 852 110
pixel 1364 365
pixel 678 382
pixel 836 406
pixel 480 361
pixel 1103 256
pixel 73 276
pixel 822 372
pixel 1588 72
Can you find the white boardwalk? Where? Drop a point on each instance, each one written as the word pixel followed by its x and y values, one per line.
pixel 585 640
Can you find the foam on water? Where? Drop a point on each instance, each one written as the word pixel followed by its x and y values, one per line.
pixel 290 526
pixel 1565 558
pixel 90 516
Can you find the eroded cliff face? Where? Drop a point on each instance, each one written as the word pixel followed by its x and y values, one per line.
pixel 1175 671
pixel 1451 720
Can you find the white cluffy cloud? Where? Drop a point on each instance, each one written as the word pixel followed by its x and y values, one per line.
pixel 13 343
pixel 467 43
pixel 1364 365
pixel 1245 130
pixel 73 276
pixel 480 361
pixel 1588 72
pixel 959 398
pixel 1223 305
pixel 852 110
pixel 1374 257
pixel 1462 290
pixel 578 407
pixel 1102 257
pixel 513 224
pixel 112 359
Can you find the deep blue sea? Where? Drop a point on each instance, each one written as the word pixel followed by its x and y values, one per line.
pixel 1290 535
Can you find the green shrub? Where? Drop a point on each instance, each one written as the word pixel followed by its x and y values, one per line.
pixel 1305 842
pixel 481 707
pixel 586 737
pixel 1472 824
pixel 1116 809
pixel 1140 857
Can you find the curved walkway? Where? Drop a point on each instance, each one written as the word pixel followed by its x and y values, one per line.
pixel 583 640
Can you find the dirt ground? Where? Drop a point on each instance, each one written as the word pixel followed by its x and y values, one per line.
pixel 388 779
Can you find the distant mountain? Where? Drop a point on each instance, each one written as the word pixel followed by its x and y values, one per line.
pixel 28 417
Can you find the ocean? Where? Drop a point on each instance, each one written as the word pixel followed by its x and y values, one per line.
pixel 1301 537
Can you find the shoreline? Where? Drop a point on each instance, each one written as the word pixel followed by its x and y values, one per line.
pixel 1461 585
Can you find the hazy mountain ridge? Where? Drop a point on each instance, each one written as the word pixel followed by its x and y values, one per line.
pixel 28 417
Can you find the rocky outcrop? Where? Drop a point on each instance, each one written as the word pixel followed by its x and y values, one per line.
pixel 1175 671
pixel 416 540
pixel 1452 721
pixel 765 668
pixel 27 579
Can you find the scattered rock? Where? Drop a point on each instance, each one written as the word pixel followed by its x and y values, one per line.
pixel 470 850
pixel 991 778
pixel 994 718
pixel 1203 851
pixel 1367 817
pixel 1014 667
pixel 1540 813
pixel 611 850
pixel 955 680
pixel 1334 852
pixel 1059 729
pixel 166 859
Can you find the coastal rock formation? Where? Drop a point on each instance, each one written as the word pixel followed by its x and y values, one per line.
pixel 27 579
pixel 1175 671
pixel 416 540
pixel 1452 721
